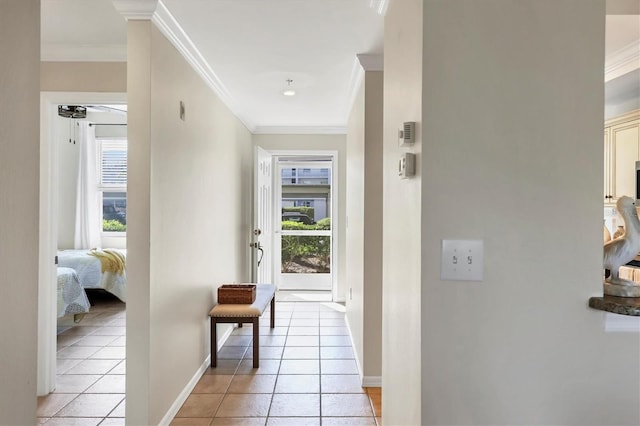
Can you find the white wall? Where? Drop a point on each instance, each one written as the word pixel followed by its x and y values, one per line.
pixel 512 125
pixel 401 336
pixel 373 222
pixel 19 192
pixel 68 162
pixel 189 219
pixel 318 143
pixel 364 227
pixel 355 225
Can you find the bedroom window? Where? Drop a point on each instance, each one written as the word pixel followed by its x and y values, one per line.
pixel 113 184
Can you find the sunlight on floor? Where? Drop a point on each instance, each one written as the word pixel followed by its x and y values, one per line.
pixel 303 296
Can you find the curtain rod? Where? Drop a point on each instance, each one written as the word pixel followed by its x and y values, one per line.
pixel 107 124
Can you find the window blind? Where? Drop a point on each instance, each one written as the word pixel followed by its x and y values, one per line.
pixel 113 162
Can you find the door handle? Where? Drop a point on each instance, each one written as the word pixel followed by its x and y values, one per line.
pixel 261 255
pixel 257 245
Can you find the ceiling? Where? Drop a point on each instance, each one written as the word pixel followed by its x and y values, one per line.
pixel 250 48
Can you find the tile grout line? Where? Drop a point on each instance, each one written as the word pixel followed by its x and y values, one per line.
pixel 278 372
pixel 271 313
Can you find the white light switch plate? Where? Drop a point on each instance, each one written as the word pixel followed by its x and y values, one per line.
pixel 462 260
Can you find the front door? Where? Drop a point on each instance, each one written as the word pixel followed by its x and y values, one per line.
pixel 263 229
pixel 303 234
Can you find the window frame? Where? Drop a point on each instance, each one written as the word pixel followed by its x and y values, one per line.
pixel 108 187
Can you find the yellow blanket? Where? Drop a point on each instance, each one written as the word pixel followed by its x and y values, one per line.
pixel 111 260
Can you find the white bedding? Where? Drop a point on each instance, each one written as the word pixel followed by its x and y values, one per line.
pixel 72 298
pixel 89 269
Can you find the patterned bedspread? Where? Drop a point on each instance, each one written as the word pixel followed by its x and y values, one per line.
pixel 89 269
pixel 72 298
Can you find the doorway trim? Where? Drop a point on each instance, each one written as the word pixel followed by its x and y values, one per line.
pixel 335 222
pixel 48 222
pixel 316 281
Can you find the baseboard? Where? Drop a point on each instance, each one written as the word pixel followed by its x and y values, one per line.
pixel 355 353
pixel 366 381
pixel 372 381
pixel 182 397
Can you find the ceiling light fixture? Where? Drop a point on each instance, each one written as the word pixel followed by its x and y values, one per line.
pixel 289 91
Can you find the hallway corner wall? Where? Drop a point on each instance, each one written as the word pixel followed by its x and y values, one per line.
pixel 513 107
pixel 402 248
pixel 364 230
pixel 189 213
pixel 19 209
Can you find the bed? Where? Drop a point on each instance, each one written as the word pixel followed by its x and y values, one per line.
pixel 72 299
pixel 98 269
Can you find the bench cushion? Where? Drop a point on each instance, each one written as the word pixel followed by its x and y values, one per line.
pixel 264 294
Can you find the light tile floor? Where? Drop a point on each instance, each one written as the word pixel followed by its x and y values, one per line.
pixel 307 375
pixel 90 381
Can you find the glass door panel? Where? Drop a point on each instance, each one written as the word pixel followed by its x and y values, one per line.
pixel 305 226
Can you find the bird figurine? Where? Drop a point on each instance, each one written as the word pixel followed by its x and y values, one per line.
pixel 620 251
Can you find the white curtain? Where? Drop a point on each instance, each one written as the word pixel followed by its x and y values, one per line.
pixel 87 235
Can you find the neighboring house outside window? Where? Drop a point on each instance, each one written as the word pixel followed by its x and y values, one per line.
pixel 316 183
pixel 113 184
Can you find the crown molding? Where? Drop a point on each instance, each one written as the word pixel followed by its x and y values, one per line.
pixel 83 53
pixel 379 6
pixel 136 9
pixel 157 12
pixel 361 64
pixel 355 82
pixel 300 130
pixel 168 25
pixel 622 61
pixel 371 62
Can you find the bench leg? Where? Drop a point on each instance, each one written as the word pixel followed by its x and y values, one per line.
pixel 273 311
pixel 256 342
pixel 214 343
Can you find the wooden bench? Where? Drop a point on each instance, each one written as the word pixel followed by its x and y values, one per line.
pixel 238 314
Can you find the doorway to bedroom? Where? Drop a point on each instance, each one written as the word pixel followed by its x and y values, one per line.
pixel 82 310
pixel 91 143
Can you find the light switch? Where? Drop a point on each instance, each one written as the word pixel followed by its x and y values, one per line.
pixel 462 260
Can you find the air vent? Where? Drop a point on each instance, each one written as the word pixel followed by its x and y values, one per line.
pixel 406 136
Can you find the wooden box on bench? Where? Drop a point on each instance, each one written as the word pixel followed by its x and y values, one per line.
pixel 237 293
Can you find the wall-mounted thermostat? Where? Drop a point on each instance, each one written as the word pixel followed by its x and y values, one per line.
pixel 406 136
pixel 407 165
